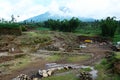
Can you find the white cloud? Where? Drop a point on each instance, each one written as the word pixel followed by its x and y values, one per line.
pixel 24 8
pixel 54 8
pixel 84 8
pixel 95 8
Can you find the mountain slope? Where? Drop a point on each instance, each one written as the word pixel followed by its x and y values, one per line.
pixel 61 13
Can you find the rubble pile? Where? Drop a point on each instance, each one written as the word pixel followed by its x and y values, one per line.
pixel 85 76
pixel 41 73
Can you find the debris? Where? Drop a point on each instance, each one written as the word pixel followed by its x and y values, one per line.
pixel 88 41
pixel 85 76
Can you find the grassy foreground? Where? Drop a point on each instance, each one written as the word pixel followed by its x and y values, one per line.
pixel 103 72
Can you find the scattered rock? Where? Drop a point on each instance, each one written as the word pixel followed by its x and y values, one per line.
pixel 22 77
pixel 35 79
pixel 85 76
pixel 45 74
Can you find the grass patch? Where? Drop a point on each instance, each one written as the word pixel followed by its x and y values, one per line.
pixel 117 55
pixel 78 58
pixel 43 29
pixel 69 76
pixel 116 38
pixel 20 62
pixel 66 58
pixel 62 71
pixel 53 58
pixel 88 31
pixel 35 38
pixel 102 72
pixel 9 25
pixel 37 33
pixel 85 69
pixel 15 64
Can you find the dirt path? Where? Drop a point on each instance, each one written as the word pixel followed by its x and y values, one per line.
pixel 98 53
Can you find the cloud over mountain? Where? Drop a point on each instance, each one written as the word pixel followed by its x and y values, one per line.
pixel 84 8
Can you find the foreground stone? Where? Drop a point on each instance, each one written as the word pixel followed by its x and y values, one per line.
pixel 85 76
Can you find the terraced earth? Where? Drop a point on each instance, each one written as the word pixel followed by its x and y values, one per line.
pixel 31 51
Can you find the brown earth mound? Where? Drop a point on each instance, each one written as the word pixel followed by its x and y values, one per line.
pixel 94 38
pixel 10 31
pixel 6 58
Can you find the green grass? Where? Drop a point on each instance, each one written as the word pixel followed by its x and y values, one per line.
pixel 88 31
pixel 116 38
pixel 69 76
pixel 43 29
pixel 78 58
pixel 102 72
pixel 9 25
pixel 35 38
pixel 102 75
pixel 116 77
pixel 53 58
pixel 17 63
pixel 85 69
pixel 20 62
pixel 67 58
pixel 31 34
pixel 117 55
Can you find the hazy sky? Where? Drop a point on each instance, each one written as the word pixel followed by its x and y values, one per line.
pixel 84 8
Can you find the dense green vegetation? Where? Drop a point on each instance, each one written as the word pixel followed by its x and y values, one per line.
pixel 108 27
pixel 65 25
pixel 103 74
pixel 9 25
pixel 88 28
pixel 106 67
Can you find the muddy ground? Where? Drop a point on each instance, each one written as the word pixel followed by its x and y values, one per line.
pixel 59 43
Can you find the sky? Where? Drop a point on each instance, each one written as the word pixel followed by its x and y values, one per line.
pixel 23 9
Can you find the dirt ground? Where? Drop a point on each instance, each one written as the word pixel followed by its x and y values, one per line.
pixel 97 50
pixel 98 53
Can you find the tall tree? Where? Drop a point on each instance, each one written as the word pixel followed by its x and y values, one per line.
pixel 108 27
pixel 12 18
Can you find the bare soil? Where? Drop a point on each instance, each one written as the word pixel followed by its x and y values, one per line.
pixel 98 51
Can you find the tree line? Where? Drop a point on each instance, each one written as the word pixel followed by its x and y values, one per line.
pixel 64 25
pixel 108 26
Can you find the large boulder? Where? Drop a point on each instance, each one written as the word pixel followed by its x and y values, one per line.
pixel 49 72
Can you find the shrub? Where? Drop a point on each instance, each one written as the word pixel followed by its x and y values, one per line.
pixel 9 25
pixel 108 27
